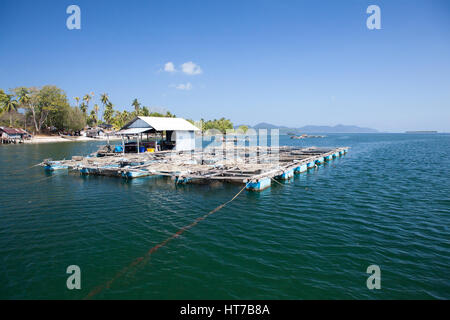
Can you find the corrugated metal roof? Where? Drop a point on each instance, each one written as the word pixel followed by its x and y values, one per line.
pixel 13 130
pixel 132 131
pixel 163 123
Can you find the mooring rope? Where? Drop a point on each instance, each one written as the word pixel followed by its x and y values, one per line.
pixel 137 261
pixel 32 182
pixel 277 182
pixel 23 169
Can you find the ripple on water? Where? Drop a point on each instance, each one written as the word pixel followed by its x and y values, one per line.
pixel 386 202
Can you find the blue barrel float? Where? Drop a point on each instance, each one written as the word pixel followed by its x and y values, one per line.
pixel 329 157
pixel 286 175
pixel 311 165
pixel 319 161
pixel 301 168
pixel 259 185
pixel 54 165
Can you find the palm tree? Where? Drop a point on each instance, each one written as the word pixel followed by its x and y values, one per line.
pixel 136 106
pixel 83 108
pixel 104 100
pixel 10 105
pixel 109 113
pixel 96 109
pixel 77 99
pixel 24 99
pixel 87 98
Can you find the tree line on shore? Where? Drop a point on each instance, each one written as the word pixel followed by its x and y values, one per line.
pixel 48 109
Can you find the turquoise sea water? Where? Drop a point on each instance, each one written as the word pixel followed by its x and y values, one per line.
pixel 386 202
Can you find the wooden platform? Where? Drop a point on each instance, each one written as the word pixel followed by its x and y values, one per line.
pixel 253 166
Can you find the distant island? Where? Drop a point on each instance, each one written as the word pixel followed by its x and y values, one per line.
pixel 315 129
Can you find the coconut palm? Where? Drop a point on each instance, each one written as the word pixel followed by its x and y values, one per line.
pixel 10 105
pixel 24 98
pixel 96 109
pixel 87 98
pixel 109 113
pixel 84 108
pixel 104 100
pixel 136 106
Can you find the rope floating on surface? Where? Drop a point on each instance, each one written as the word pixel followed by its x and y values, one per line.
pixel 23 169
pixel 32 182
pixel 137 261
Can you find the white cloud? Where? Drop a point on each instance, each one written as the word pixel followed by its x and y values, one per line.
pixel 183 86
pixel 191 68
pixel 169 67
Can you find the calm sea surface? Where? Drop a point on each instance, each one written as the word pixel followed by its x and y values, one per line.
pixel 386 202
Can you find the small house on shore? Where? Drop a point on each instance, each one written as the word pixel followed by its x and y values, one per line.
pixel 13 135
pixel 176 133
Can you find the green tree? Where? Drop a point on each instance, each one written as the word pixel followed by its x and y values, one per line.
pixel 104 98
pixel 86 99
pixel 243 128
pixel 10 105
pixel 96 109
pixel 108 115
pixel 222 125
pixel 53 103
pixel 75 120
pixel 145 111
pixel 121 118
pixel 92 119
pixel 49 102
pixel 170 115
pixel 136 106
pixel 3 99
pixel 84 108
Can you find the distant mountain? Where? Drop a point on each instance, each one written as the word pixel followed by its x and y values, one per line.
pixel 336 129
pixel 315 129
pixel 265 125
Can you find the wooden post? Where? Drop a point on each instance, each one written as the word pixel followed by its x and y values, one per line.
pixel 138 143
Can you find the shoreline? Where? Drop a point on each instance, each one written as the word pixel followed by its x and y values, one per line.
pixel 55 139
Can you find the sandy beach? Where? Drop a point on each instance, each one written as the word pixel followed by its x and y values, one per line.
pixel 52 139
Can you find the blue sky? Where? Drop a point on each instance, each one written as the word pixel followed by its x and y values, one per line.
pixel 290 63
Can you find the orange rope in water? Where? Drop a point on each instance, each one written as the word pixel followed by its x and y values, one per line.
pixel 137 261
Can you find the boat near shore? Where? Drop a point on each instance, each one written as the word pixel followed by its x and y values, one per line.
pixel 68 137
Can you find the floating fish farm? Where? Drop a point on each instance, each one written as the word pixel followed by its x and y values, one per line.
pixel 254 167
